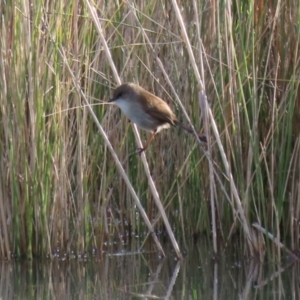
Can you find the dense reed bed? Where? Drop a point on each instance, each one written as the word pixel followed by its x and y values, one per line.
pixel 233 71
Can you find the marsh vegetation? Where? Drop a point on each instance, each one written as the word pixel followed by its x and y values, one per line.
pixel 233 70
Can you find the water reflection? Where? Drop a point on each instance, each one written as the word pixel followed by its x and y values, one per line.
pixel 128 275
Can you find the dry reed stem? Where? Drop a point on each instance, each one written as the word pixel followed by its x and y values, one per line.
pixel 215 131
pixel 275 240
pixel 143 156
pixel 204 110
pixel 114 155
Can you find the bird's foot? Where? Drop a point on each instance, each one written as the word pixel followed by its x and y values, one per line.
pixel 139 151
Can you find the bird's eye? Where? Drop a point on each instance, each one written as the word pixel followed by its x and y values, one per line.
pixel 120 95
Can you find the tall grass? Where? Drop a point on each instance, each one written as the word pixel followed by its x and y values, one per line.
pixel 60 188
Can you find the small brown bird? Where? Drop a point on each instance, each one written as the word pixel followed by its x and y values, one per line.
pixel 146 110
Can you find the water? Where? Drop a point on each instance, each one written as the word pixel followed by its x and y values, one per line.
pixel 146 276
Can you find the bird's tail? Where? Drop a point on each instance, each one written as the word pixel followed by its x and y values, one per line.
pixel 189 129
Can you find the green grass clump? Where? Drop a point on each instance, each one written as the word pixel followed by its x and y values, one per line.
pixel 60 187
